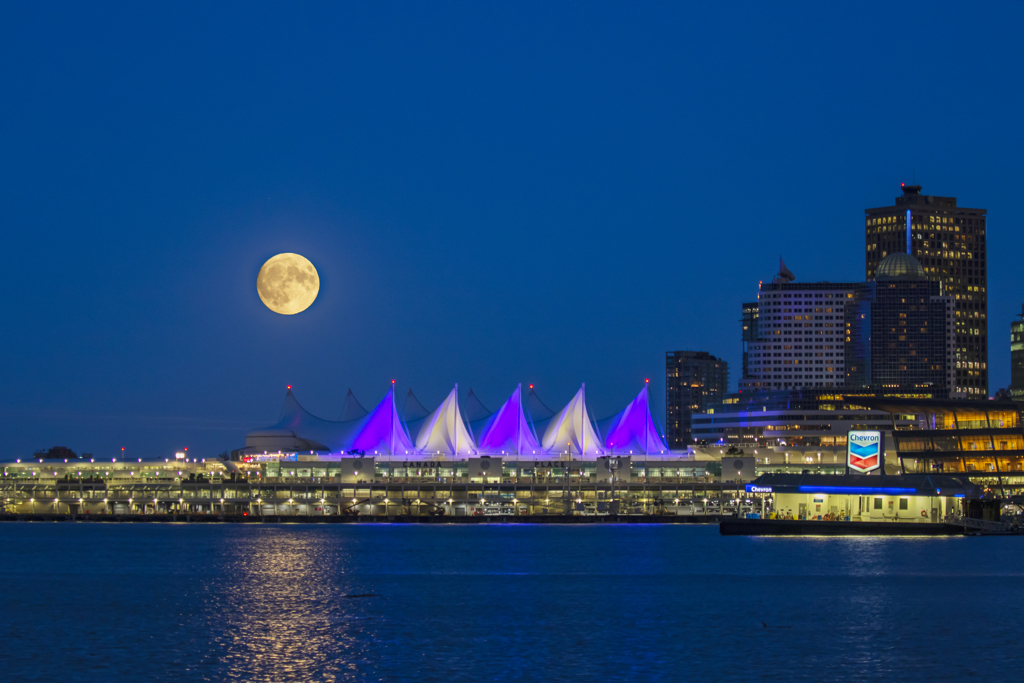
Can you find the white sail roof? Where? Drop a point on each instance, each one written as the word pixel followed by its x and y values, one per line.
pixel 571 430
pixel 353 409
pixel 444 432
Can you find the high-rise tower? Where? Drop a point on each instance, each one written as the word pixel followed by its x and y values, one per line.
pixel 949 241
pixel 1017 357
pixel 692 380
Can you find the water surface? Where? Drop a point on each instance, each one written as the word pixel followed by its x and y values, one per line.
pixel 164 602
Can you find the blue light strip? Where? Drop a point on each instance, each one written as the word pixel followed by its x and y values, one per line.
pixel 908 231
pixel 858 490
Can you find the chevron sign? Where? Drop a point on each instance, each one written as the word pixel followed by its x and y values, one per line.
pixel 863 451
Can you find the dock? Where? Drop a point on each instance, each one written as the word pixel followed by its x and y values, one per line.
pixel 799 527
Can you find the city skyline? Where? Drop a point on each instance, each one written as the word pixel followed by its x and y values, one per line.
pixel 379 341
pixel 490 196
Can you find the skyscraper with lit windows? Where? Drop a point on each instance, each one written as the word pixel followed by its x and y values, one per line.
pixel 795 336
pixel 894 333
pixel 950 243
pixel 1017 357
pixel 692 380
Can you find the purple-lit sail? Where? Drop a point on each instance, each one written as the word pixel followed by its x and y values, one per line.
pixel 633 430
pixel 299 430
pixel 508 431
pixel 382 431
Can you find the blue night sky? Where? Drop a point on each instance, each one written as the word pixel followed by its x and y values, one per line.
pixel 492 193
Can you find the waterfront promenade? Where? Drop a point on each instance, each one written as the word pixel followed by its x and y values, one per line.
pixel 166 493
pixel 362 519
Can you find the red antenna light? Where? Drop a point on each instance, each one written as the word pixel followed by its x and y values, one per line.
pixel 647 380
pixel 289 387
pixel 531 386
pixel 392 381
pixel 902 184
pixel 122 448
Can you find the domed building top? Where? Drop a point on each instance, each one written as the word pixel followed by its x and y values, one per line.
pixel 900 266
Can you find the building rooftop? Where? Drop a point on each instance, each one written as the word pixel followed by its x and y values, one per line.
pixel 859 484
pixel 900 266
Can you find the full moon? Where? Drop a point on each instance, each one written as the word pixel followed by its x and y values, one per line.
pixel 288 284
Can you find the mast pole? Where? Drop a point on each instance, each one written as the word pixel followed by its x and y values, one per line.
pixel 583 416
pixel 647 417
pixel 455 427
pixel 519 422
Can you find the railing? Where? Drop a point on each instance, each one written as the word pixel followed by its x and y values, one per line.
pixel 379 480
pixel 977 524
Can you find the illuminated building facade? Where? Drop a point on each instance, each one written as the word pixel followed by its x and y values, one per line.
pixel 911 499
pixel 693 379
pixel 900 333
pixel 800 419
pixel 1017 357
pixel 895 332
pixel 749 323
pixel 801 335
pixel 365 486
pixel 981 438
pixel 950 243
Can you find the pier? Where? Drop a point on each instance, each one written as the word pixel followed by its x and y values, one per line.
pixel 800 527
pixel 388 497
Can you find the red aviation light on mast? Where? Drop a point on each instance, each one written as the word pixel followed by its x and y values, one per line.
pixel 531 386
pixel 289 387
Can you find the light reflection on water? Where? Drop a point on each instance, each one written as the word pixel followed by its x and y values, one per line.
pixel 92 602
pixel 282 616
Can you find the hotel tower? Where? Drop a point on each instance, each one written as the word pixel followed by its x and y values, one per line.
pixel 949 241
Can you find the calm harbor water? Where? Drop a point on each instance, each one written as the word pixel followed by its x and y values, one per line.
pixel 162 602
